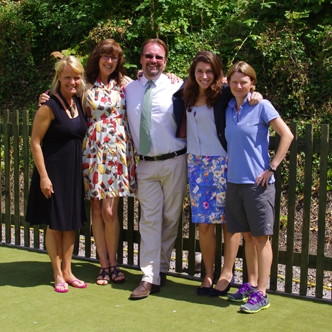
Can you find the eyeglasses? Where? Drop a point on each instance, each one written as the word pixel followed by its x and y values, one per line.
pixel 106 57
pixel 157 57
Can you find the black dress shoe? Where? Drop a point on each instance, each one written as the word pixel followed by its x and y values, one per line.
pixel 143 290
pixel 162 279
pixel 203 290
pixel 215 292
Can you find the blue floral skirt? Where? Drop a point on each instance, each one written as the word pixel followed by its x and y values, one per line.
pixel 207 177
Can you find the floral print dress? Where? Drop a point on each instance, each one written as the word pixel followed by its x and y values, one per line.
pixel 207 177
pixel 108 155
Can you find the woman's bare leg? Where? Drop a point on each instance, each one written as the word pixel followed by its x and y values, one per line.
pixel 207 243
pixel 231 247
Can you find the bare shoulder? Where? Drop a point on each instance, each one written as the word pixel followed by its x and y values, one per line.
pixel 44 113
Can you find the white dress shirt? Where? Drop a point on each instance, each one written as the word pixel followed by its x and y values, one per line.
pixel 163 126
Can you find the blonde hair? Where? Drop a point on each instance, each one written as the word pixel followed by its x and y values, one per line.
pixel 59 67
pixel 244 68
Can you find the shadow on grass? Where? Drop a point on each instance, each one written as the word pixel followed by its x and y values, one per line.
pixel 24 268
pixel 18 270
pixel 29 273
pixel 178 289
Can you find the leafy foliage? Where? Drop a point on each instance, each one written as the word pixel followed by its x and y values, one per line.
pixel 288 43
pixel 29 31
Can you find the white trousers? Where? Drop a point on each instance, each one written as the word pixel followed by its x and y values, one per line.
pixel 161 186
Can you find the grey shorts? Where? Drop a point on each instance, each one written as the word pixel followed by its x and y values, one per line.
pixel 250 208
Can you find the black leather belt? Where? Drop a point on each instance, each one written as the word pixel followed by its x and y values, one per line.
pixel 163 156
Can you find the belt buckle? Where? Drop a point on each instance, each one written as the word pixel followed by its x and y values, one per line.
pixel 155 158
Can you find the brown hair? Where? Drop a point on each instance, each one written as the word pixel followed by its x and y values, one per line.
pixel 107 46
pixel 155 41
pixel 245 69
pixel 191 88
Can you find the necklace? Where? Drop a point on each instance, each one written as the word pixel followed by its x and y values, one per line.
pixel 70 108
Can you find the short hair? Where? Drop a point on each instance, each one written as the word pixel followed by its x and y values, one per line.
pixel 107 46
pixel 59 67
pixel 155 41
pixel 244 68
pixel 191 88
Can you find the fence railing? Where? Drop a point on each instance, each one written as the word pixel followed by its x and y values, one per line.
pixel 302 240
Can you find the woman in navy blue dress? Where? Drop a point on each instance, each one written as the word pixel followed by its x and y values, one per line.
pixel 56 195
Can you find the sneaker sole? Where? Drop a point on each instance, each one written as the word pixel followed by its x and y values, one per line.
pixel 244 300
pixel 244 309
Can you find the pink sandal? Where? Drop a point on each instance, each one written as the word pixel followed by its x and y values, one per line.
pixel 63 284
pixel 71 283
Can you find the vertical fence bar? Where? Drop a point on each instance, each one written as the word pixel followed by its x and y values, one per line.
pixel 1 165
pixel 87 230
pixel 120 244
pixel 16 180
pixel 139 235
pixel 7 159
pixel 76 242
pixel 323 167
pixel 36 233
pixel 130 230
pixel 306 208
pixel 44 230
pixel 36 237
pixel 219 247
pixel 276 227
pixel 244 263
pixel 191 247
pixel 26 171
pixel 179 246
pixel 291 210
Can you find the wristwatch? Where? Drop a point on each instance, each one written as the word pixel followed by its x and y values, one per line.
pixel 271 169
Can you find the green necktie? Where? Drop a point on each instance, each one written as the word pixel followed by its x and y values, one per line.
pixel 145 125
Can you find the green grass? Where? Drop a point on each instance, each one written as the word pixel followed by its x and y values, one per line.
pixel 29 303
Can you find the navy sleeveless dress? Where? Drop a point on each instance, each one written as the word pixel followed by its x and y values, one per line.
pixel 62 150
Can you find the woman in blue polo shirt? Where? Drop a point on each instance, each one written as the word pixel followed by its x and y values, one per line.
pixel 250 185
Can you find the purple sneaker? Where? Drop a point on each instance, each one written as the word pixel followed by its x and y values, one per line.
pixel 257 302
pixel 242 293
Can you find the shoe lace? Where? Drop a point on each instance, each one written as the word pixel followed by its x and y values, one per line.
pixel 255 297
pixel 245 288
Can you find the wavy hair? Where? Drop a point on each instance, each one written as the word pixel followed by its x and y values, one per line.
pixel 60 65
pixel 107 46
pixel 191 88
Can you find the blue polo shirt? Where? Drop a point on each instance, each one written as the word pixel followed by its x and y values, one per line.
pixel 247 135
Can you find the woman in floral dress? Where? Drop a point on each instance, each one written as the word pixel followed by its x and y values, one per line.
pixel 108 157
pixel 207 162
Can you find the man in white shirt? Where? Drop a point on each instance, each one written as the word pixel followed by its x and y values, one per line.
pixel 161 173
